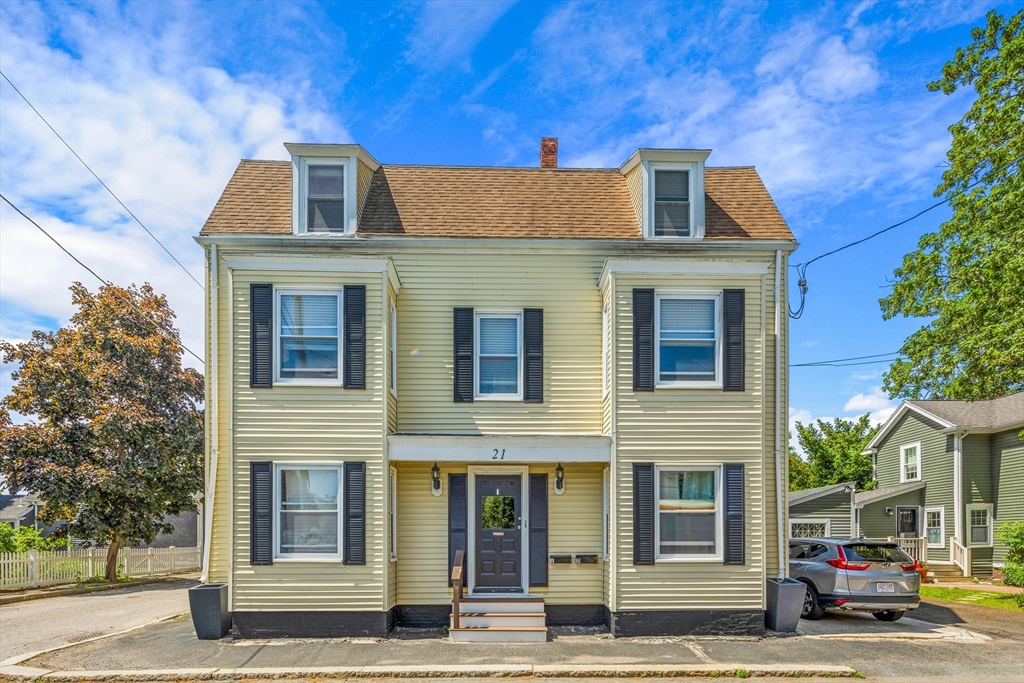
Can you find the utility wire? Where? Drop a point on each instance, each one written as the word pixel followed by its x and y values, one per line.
pixel 155 238
pixel 843 360
pixel 106 282
pixel 801 268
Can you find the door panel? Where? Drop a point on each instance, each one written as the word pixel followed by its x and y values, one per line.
pixel 499 530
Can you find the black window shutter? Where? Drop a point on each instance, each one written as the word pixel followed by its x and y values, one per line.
pixel 734 514
pixel 643 513
pixel 463 355
pixel 355 513
pixel 538 529
pixel 354 374
pixel 261 336
pixel 533 357
pixel 643 340
pixel 733 303
pixel 457 518
pixel 261 517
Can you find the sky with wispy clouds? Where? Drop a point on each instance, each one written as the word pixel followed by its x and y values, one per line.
pixel 828 101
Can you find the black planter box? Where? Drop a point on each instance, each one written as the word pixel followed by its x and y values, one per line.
pixel 209 606
pixel 785 602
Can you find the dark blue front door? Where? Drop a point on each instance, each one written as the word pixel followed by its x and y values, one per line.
pixel 499 531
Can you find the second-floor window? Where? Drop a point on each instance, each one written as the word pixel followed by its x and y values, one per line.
pixel 325 199
pixel 309 345
pixel 499 348
pixel 687 340
pixel 910 462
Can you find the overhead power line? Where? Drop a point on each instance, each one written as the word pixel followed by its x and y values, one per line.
pixel 801 268
pixel 100 180
pixel 77 260
pixel 824 363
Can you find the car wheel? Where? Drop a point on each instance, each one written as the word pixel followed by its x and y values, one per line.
pixel 812 609
pixel 889 615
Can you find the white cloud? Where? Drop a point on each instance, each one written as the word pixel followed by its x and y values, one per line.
pixel 875 402
pixel 447 31
pixel 163 129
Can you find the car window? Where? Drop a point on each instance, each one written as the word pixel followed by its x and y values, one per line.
pixel 798 551
pixel 875 553
pixel 817 550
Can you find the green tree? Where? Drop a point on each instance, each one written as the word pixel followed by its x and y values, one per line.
pixel 834 452
pixel 800 473
pixel 26 538
pixel 114 436
pixel 968 277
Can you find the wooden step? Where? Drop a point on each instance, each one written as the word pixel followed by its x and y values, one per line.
pixel 504 634
pixel 494 605
pixel 499 619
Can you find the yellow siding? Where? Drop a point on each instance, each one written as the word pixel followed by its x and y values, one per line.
pixel 687 427
pixel 635 182
pixel 363 178
pixel 220 545
pixel 392 426
pixel 574 522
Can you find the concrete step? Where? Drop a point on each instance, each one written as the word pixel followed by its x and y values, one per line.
pixel 499 619
pixel 505 634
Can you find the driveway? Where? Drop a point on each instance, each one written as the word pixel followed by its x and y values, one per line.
pixel 39 625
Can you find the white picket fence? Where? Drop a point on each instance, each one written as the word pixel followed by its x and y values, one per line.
pixel 46 568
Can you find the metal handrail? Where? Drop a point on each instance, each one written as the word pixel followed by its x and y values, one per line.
pixel 458 570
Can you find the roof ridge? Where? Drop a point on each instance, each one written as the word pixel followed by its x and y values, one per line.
pixel 264 161
pixel 500 168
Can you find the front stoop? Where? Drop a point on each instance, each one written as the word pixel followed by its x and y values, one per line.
pixel 500 619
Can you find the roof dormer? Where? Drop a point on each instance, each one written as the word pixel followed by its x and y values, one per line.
pixel 329 186
pixel 667 189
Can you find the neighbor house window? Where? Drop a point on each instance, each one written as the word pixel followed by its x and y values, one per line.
pixel 910 462
pixel 499 355
pixel 935 526
pixel 393 513
pixel 308 510
pixel 809 528
pixel 671 203
pixel 325 198
pixel 687 331
pixel 308 342
pixel 688 514
pixel 979 517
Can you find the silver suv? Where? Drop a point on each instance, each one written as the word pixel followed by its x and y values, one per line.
pixel 854 575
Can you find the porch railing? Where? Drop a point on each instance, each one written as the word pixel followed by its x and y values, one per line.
pixel 458 571
pixel 961 556
pixel 917 548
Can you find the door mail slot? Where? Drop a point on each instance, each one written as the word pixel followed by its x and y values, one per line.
pixel 497 533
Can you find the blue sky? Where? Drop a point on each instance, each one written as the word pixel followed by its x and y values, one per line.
pixel 828 101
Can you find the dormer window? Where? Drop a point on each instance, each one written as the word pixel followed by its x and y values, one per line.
pixel 671 203
pixel 325 196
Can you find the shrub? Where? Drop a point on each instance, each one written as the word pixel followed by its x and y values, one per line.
pixel 1013 573
pixel 1019 598
pixel 1011 534
pixel 26 538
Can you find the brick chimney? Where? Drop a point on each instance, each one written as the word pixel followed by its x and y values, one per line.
pixel 549 152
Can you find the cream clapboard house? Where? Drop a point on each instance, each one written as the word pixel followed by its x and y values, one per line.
pixel 574 376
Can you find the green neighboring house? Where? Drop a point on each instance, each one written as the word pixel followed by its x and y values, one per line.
pixel 949 473
pixel 823 512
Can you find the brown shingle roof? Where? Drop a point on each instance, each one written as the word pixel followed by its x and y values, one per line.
pixel 446 201
pixel 993 413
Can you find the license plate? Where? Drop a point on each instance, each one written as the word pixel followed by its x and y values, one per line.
pixel 885 588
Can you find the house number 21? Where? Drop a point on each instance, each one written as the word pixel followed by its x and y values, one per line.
pixel 498 455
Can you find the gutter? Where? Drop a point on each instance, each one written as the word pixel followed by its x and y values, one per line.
pixel 211 408
pixel 779 517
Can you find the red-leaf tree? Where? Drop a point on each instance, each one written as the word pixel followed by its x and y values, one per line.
pixel 113 432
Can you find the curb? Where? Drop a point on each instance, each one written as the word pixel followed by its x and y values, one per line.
pixel 454 671
pixel 14 598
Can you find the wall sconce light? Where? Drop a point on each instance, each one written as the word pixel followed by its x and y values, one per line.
pixel 847 489
pixel 435 480
pixel 888 511
pixel 559 480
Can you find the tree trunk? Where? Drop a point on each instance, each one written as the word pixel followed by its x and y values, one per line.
pixel 111 573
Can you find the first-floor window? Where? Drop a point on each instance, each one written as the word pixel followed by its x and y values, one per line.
pixel 980 519
pixel 688 513
pixel 308 511
pixel 935 526
pixel 308 341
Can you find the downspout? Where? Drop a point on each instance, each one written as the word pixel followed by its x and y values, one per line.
pixel 958 487
pixel 779 517
pixel 211 409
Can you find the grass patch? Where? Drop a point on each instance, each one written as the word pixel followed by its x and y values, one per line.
pixel 966 596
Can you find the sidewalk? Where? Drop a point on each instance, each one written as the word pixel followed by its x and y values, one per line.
pixel 11 596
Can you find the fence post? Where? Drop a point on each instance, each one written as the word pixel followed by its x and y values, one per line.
pixel 88 564
pixel 170 555
pixel 33 568
pixel 149 560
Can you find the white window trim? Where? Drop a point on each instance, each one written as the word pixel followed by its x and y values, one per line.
pixel 322 557
pixel 518 315
pixel 300 192
pixel 987 507
pixel 696 177
pixel 903 462
pixel 669 294
pixel 308 381
pixel 393 334
pixel 719 517
pixel 393 508
pixel 941 509
pixel 811 520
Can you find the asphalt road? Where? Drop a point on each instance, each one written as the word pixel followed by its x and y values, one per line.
pixel 39 625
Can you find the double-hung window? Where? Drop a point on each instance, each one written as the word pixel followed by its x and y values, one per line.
pixel 325 198
pixel 688 335
pixel 308 512
pixel 910 462
pixel 671 202
pixel 309 345
pixel 499 348
pixel 979 519
pixel 689 514
pixel 935 526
